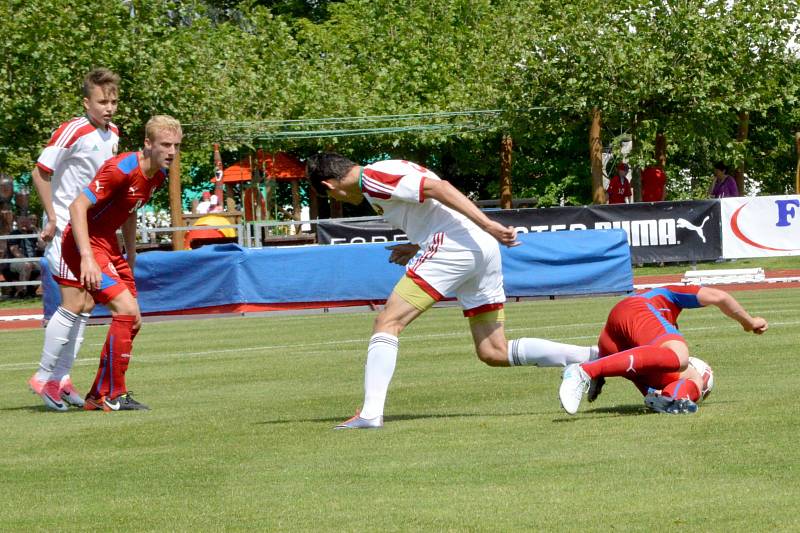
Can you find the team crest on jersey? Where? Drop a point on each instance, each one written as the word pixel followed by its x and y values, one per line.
pixel 112 269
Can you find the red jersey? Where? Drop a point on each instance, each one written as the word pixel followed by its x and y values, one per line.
pixel 618 190
pixel 669 301
pixel 653 181
pixel 647 318
pixel 118 189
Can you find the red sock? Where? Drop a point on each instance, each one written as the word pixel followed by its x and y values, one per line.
pixel 683 388
pixel 639 360
pixel 114 359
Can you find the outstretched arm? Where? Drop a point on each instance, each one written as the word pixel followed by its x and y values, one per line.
pixel 444 192
pixel 728 305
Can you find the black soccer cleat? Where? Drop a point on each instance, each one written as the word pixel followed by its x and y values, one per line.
pixel 123 402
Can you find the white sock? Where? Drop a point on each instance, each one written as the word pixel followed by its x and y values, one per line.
pixel 381 359
pixel 56 336
pixel 541 352
pixel 70 351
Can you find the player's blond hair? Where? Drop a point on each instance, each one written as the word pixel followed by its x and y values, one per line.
pixel 159 123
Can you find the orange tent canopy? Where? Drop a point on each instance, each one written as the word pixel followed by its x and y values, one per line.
pixel 278 166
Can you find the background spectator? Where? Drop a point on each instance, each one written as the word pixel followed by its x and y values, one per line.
pixel 25 247
pixel 215 207
pixel 653 181
pixel 619 186
pixel 204 206
pixel 724 185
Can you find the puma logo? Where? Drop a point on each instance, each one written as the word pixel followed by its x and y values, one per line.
pixel 685 224
pixel 97 186
pixel 630 365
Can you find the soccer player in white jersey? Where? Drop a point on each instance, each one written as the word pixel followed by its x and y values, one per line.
pixel 460 256
pixel 75 153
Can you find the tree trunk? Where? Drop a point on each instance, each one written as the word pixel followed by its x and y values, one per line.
pixel 596 158
pixel 296 200
pixel 313 206
pixel 175 207
pixel 797 174
pixel 337 210
pixel 661 149
pixel 741 136
pixel 506 146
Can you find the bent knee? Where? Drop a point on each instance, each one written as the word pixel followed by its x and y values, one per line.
pixel 387 325
pixel 494 357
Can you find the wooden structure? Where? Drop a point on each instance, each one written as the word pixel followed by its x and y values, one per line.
pixel 265 168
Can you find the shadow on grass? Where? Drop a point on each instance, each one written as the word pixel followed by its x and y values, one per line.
pixel 396 418
pixel 39 409
pixel 600 412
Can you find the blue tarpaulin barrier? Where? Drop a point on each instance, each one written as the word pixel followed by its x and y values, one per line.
pixel 545 264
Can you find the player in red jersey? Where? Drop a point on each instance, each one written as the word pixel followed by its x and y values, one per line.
pixel 641 342
pixel 619 186
pixel 91 251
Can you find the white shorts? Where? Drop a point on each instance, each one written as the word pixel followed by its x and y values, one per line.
pixel 55 263
pixel 464 265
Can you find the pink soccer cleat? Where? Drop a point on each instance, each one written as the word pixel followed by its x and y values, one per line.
pixel 48 391
pixel 68 393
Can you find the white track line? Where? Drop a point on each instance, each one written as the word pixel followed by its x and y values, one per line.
pixel 361 340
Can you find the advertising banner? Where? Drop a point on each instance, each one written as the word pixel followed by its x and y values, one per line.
pixel 657 232
pixel 222 277
pixel 762 226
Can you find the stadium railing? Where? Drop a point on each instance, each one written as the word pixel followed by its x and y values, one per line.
pixel 9 260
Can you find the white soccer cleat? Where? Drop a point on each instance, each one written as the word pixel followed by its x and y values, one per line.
pixel 361 423
pixel 574 384
pixel 596 385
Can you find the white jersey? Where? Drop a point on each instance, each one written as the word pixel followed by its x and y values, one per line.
pixel 395 189
pixel 73 156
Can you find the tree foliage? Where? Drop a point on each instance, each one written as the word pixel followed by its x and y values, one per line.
pixel 686 68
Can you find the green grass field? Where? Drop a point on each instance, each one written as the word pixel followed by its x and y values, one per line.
pixel 240 435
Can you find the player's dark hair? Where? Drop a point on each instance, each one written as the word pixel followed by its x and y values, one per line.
pixel 326 166
pixel 100 77
pixel 719 165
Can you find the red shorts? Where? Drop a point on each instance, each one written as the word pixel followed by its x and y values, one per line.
pixel 116 272
pixel 635 322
